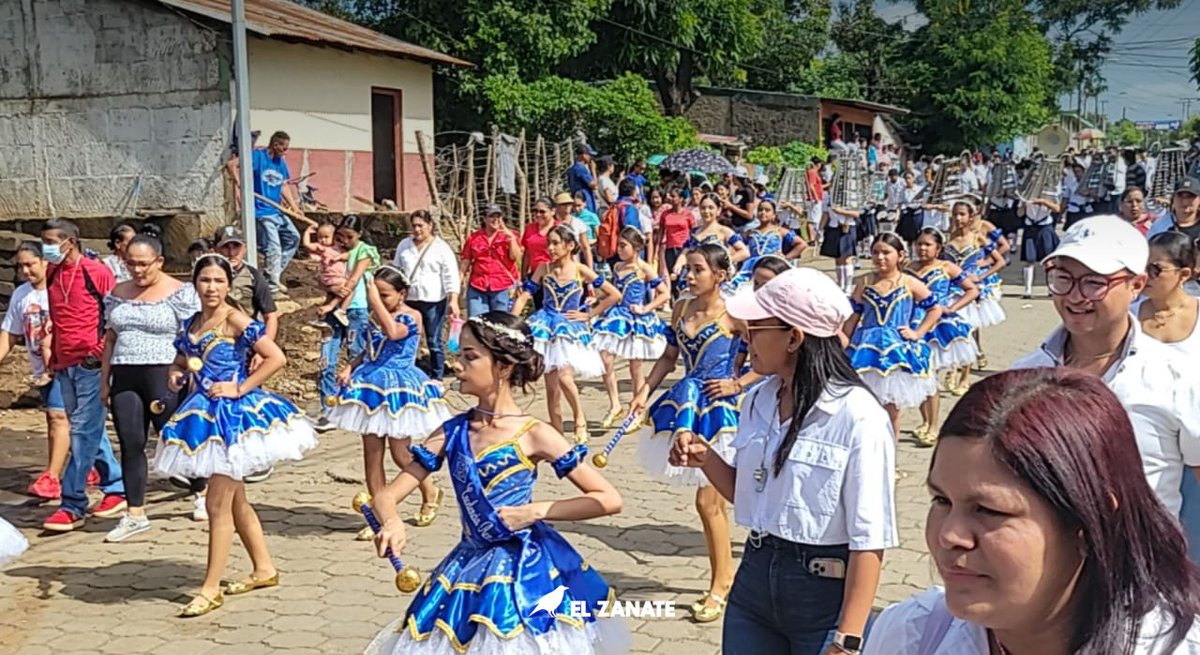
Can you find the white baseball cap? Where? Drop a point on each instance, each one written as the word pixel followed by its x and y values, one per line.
pixel 1106 244
pixel 801 297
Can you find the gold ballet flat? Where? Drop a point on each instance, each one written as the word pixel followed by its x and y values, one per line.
pixel 425 518
pixel 250 584
pixel 710 613
pixel 611 420
pixel 365 534
pixel 581 432
pixel 201 605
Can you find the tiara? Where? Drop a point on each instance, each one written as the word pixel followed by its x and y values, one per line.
pixel 502 330
pixel 898 238
pixel 394 270
pixel 214 255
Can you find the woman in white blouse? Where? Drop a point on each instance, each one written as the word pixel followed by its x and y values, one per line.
pixel 812 477
pixel 429 265
pixel 1045 532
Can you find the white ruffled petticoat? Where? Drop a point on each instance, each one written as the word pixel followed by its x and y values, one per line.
pixel 653 453
pixel 12 543
pixel 563 353
pixel 414 423
pixel 605 636
pixel 632 347
pixel 899 388
pixel 988 313
pixel 253 451
pixel 961 352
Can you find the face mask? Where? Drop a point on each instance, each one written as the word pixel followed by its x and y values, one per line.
pixel 52 252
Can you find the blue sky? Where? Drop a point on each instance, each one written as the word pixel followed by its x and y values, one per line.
pixel 1147 72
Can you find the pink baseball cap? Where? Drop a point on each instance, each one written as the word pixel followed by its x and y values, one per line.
pixel 801 297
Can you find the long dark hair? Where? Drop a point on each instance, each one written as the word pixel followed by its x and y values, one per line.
pixel 1177 246
pixel 213 259
pixel 528 365
pixel 1065 435
pixel 821 364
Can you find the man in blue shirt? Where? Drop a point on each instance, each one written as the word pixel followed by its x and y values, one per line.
pixel 579 176
pixel 278 238
pixel 638 174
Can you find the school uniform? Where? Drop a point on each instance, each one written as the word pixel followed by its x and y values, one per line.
pixel 834 494
pixel 909 224
pixel 836 243
pixel 1078 206
pixel 1038 237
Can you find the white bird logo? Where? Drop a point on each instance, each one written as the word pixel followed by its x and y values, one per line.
pixel 550 602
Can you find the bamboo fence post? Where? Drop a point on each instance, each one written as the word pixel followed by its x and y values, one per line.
pixel 472 209
pixel 522 184
pixel 429 178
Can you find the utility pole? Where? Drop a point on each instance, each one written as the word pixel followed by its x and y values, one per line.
pixel 1104 114
pixel 245 147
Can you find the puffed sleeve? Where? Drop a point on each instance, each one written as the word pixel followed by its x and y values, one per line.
pixel 426 458
pixel 530 286
pixel 928 303
pixel 599 281
pixel 184 302
pixel 653 284
pixel 569 461
pixel 733 240
pixel 181 341
pixel 669 333
pixel 250 336
pixel 995 235
pixel 856 306
pixel 789 240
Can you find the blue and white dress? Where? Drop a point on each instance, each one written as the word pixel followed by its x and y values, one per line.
pixel 12 543
pixel 950 342
pixel 727 289
pixel 760 245
pixel 489 594
pixel 896 369
pixel 563 343
pixel 229 436
pixel 986 310
pixel 388 396
pixel 707 355
pixel 625 334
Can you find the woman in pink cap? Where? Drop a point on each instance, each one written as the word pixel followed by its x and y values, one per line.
pixel 811 477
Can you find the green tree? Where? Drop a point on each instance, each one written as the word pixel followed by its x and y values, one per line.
pixel 1124 133
pixel 794 32
pixel 875 52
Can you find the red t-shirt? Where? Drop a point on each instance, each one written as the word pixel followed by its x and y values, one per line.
pixel 678 227
pixel 76 292
pixel 534 243
pixel 816 188
pixel 492 269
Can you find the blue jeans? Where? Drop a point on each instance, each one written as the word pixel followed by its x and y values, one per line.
pixel 433 317
pixel 52 399
pixel 1189 515
pixel 482 302
pixel 354 336
pixel 278 240
pixel 89 440
pixel 777 606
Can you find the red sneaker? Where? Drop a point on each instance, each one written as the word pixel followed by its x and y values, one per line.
pixel 93 478
pixel 46 487
pixel 62 521
pixel 110 506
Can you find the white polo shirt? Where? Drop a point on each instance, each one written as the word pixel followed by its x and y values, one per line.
pixel 902 628
pixel 1157 386
pixel 838 483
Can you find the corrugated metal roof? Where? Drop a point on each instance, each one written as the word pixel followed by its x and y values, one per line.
pixel 282 19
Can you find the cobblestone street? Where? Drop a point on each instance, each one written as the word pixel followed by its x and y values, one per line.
pixel 76 594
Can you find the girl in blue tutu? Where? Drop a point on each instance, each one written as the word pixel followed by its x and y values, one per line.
pixel 631 329
pixel 509 585
pixel 562 332
pixel 710 230
pixel 891 357
pixel 769 238
pixel 228 427
pixel 384 396
pixel 950 344
pixel 981 257
pixel 705 402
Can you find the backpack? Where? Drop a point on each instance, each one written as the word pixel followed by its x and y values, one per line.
pixel 609 232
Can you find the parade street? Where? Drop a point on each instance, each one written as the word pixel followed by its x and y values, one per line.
pixel 76 594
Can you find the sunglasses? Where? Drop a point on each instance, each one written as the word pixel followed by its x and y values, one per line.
pixel 1155 269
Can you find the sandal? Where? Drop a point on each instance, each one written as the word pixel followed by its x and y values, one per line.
pixel 611 420
pixel 709 613
pixel 581 432
pixel 424 517
pixel 960 390
pixel 981 362
pixel 366 534
pixel 250 584
pixel 201 605
pixel 699 605
pixel 926 436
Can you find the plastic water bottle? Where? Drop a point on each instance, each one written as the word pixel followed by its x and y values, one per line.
pixel 456 325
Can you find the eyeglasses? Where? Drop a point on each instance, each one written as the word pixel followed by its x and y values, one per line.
pixel 540 211
pixel 1093 286
pixel 1154 270
pixel 751 329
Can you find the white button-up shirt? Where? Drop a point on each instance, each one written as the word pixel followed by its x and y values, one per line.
pixel 901 629
pixel 1157 386
pixel 837 485
pixel 437 275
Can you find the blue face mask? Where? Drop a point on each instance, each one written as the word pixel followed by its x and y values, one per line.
pixel 52 252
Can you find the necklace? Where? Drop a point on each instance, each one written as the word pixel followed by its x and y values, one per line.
pixel 1000 649
pixel 66 290
pixel 495 415
pixel 1160 317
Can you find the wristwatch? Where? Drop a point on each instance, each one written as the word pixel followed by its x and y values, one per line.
pixel 851 644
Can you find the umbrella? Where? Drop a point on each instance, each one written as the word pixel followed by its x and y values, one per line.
pixel 697 159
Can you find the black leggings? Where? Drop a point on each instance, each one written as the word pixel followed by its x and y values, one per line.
pixel 132 391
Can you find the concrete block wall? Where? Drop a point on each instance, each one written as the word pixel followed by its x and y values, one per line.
pixel 95 94
pixel 763 119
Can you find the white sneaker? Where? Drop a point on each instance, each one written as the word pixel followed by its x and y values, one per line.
pixel 128 526
pixel 200 513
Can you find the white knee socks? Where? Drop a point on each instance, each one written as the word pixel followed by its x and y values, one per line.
pixel 1028 279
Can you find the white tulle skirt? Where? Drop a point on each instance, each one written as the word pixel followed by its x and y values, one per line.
pixel 653 453
pixel 899 388
pixel 961 352
pixel 632 347
pixel 607 636
pixel 252 452
pixel 414 423
pixel 12 543
pixel 988 313
pixel 563 353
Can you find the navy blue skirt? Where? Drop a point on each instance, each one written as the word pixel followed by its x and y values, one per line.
pixel 838 244
pixel 1037 242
